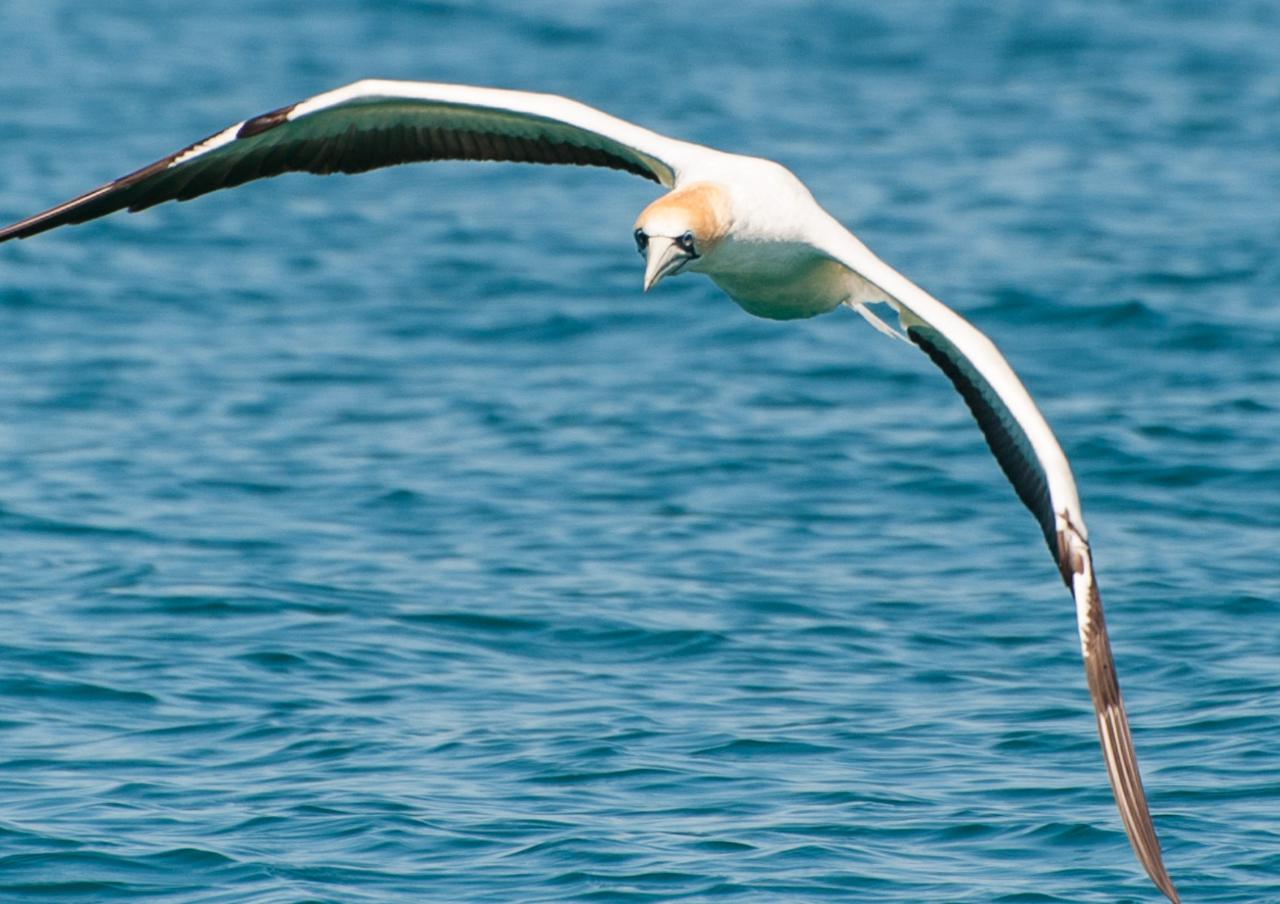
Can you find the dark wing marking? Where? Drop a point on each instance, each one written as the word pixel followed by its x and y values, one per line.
pixel 1014 451
pixel 375 124
pixel 1001 429
pixel 1032 459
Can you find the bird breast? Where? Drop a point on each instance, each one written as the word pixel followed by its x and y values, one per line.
pixel 770 282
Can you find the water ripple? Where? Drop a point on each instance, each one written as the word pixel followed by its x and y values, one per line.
pixel 373 540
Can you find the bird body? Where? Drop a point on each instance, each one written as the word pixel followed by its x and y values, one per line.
pixel 798 284
pixel 747 223
pixel 764 237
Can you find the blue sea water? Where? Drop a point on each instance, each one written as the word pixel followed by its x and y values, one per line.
pixel 374 539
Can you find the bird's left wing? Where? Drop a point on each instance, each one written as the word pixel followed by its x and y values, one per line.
pixel 376 123
pixel 1035 464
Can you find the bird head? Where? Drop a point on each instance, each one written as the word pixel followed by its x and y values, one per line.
pixel 681 229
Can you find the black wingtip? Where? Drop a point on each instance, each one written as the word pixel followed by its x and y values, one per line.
pixel 260 124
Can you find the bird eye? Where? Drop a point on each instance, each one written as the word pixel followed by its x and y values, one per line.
pixel 686 242
pixel 642 241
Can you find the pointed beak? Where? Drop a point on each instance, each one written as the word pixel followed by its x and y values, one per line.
pixel 664 257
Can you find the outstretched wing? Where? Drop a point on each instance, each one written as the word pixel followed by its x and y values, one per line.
pixel 371 124
pixel 1035 464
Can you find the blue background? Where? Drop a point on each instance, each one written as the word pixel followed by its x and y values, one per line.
pixel 375 539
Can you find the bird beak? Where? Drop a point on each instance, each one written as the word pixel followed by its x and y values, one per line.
pixel 664 257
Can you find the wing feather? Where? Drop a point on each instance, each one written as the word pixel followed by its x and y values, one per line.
pixel 1035 464
pixel 1005 437
pixel 372 124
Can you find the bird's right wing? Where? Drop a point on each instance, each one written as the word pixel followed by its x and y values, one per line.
pixel 375 123
pixel 1035 464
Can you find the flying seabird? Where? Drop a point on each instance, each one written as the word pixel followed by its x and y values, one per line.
pixel 747 223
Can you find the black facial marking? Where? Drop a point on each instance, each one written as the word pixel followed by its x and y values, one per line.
pixel 642 241
pixel 686 243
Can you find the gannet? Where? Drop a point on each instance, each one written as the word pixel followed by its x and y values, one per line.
pixel 747 223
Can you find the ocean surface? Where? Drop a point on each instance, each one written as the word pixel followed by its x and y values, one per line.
pixel 375 539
